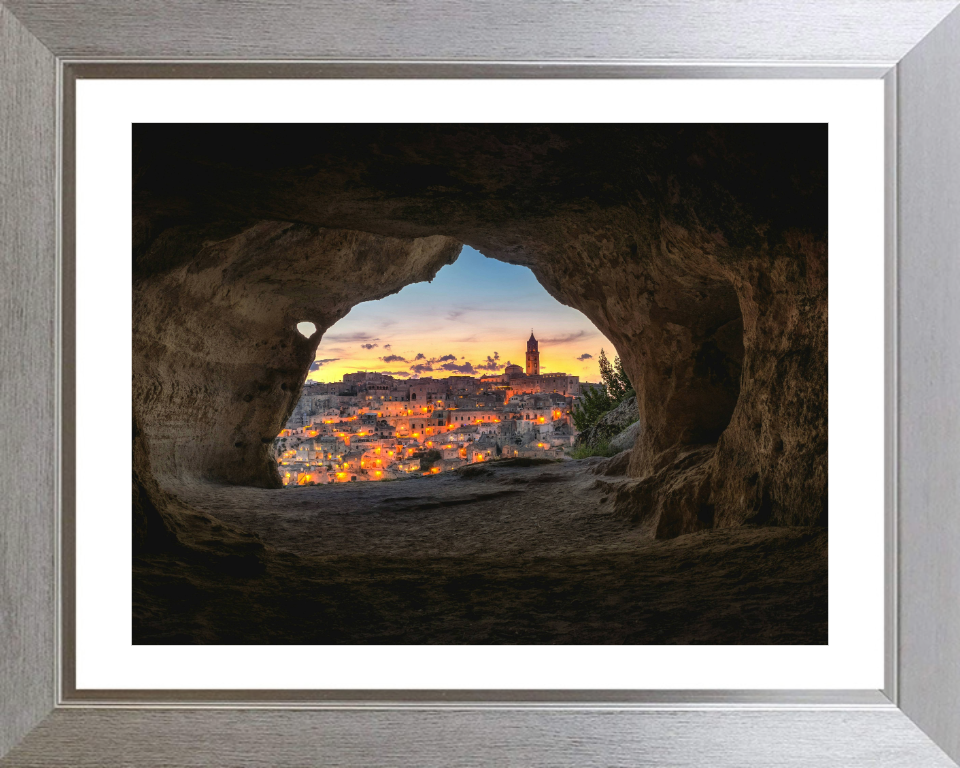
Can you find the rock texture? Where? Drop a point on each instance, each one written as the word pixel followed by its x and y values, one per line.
pixel 626 438
pixel 700 251
pixel 512 552
pixel 218 360
pixel 609 427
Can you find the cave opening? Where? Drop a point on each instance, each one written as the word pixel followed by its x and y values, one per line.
pixel 387 398
pixel 372 396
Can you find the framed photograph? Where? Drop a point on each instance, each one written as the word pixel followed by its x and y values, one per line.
pixel 479 365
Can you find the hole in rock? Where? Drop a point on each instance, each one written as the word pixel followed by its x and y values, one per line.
pixel 307 328
pixel 479 365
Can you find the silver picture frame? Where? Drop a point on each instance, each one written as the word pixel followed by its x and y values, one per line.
pixel 913 45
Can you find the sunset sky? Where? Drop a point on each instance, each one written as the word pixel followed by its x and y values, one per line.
pixel 473 318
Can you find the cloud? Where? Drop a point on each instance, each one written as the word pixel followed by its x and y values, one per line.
pixel 318 363
pixel 491 363
pixel 387 346
pixel 401 374
pixel 357 336
pixel 369 346
pixel 585 356
pixel 565 339
pixel 421 368
pixel 393 359
pixel 465 368
pixel 433 360
pixel 453 314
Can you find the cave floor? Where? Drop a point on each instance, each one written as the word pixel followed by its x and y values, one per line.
pixel 507 555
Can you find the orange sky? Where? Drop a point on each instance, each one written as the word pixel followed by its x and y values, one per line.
pixel 475 316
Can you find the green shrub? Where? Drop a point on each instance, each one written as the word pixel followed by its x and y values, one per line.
pixel 594 404
pixel 601 448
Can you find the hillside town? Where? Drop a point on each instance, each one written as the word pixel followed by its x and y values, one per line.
pixel 373 427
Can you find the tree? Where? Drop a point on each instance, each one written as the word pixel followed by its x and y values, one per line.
pixel 597 401
pixel 593 404
pixel 615 379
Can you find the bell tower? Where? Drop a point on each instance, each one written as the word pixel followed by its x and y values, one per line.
pixel 533 356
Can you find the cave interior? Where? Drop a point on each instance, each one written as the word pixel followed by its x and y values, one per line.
pixel 698 250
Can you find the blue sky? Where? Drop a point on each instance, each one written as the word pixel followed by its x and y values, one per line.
pixel 476 312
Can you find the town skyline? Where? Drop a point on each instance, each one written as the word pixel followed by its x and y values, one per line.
pixel 465 322
pixel 375 427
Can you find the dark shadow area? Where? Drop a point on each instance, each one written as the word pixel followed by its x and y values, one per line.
pixel 491 554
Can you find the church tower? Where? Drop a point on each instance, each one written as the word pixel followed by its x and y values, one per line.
pixel 533 356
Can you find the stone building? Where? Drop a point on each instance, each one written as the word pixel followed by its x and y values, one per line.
pixel 533 356
pixel 424 391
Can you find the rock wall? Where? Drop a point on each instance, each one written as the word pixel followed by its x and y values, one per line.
pixel 218 361
pixel 700 251
pixel 611 425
